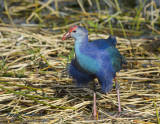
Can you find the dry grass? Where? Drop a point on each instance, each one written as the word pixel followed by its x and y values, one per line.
pixel 35 87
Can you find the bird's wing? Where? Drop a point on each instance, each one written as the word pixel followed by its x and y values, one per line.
pixel 108 45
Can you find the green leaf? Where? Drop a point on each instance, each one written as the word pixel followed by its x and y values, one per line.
pixel 91 23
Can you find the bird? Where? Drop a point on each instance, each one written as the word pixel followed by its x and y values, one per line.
pixel 94 59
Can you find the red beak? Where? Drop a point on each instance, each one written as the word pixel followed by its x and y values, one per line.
pixel 67 35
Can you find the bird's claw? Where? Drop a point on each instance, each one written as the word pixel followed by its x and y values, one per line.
pixel 119 114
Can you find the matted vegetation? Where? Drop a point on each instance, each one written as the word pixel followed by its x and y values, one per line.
pixel 34 84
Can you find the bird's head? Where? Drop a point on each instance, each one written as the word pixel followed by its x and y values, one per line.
pixel 76 32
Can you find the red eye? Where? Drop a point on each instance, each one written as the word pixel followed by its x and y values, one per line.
pixel 74 31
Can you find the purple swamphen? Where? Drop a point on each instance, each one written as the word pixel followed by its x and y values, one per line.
pixel 97 59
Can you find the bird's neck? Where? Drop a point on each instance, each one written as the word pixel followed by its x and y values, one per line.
pixel 83 51
pixel 81 45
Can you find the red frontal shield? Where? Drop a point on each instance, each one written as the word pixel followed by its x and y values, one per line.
pixel 68 34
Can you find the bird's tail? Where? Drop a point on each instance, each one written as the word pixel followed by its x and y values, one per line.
pixel 124 62
pixel 112 40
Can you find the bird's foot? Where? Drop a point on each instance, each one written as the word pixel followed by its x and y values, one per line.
pixel 119 114
pixel 95 117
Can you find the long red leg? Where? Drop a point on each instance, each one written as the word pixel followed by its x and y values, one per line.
pixel 118 97
pixel 94 102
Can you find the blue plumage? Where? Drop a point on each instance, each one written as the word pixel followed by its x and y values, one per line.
pixel 104 43
pixel 97 59
pixel 80 75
